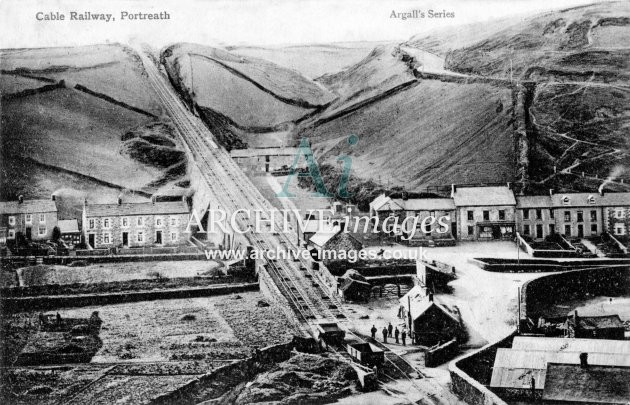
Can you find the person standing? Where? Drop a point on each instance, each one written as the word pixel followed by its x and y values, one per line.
pixel 373 330
pixel 384 335
pixel 390 329
pixel 404 337
pixel 396 334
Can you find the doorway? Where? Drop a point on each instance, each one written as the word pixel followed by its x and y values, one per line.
pixel 580 231
pixel 91 239
pixel 125 239
pixel 158 237
pixel 539 231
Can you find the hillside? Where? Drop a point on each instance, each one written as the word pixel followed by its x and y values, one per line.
pixel 579 62
pixel 239 95
pixel 65 112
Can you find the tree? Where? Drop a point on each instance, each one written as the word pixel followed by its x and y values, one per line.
pixel 56 234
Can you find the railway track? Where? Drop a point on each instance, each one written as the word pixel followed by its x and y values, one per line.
pixel 307 294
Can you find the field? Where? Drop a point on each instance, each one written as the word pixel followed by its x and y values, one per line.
pixel 381 70
pixel 237 98
pixel 437 133
pixel 111 272
pixel 203 329
pixel 46 127
pixel 10 84
pixel 311 60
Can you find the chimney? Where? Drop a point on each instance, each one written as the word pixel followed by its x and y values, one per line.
pixel 551 192
pixel 509 185
pixel 20 199
pixel 453 189
pixel 430 297
pixel 584 360
pixel 601 191
pixel 153 199
pixel 52 197
pixel 576 319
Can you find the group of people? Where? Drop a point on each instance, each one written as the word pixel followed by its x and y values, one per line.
pixel 391 331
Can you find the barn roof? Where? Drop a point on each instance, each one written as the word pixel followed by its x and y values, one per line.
pixel 571 345
pixel 27 206
pixel 590 385
pixel 148 208
pixel 514 368
pixel 483 196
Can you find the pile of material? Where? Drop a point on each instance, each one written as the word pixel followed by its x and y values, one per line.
pixel 304 378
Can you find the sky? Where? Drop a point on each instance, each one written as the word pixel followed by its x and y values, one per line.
pixel 247 22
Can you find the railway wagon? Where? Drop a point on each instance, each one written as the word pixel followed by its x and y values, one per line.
pixel 366 353
pixel 330 333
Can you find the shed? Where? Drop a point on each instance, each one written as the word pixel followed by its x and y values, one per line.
pixel 430 322
pixel 355 290
pixel 576 384
pixel 70 232
pixel 595 327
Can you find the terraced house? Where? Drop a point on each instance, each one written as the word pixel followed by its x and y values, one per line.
pixel 129 225
pixel 485 213
pixel 35 219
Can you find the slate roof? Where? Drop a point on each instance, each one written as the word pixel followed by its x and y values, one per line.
pixel 598 322
pixel 148 208
pixel 571 345
pixel 68 225
pixel 323 236
pixel 591 385
pixel 514 368
pixel 533 201
pixel 426 204
pixel 27 207
pixel 483 196
pixel 582 200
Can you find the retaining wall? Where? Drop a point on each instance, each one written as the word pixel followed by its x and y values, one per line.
pixel 477 363
pixel 17 304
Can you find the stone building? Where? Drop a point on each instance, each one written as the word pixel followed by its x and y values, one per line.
pixel 35 219
pixel 535 217
pixel 485 213
pixel 135 225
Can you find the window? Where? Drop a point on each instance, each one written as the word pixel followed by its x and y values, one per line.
pixel 525 229
pixel 590 199
pixel 619 229
pixel 107 223
pixel 91 224
pixel 593 216
pixel 567 230
pixel 12 220
pixel 140 236
pixel 174 236
pixel 470 215
pixel 107 238
pixel 538 213
pixel 567 216
pixel 525 214
pixel 158 221
pixel 594 228
pixel 580 216
pixel 501 215
pixel 42 217
pixel 551 214
pixel 471 230
pixel 486 215
pixel 619 213
pixel 140 221
pixel 173 221
pixel 11 234
pixel 41 231
pixel 125 222
pixel 565 200
pixel 29 218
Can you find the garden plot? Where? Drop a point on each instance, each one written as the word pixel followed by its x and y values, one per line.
pixel 201 329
